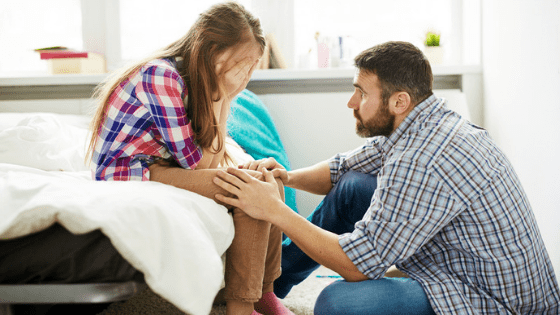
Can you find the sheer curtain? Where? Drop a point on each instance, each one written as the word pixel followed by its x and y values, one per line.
pixel 148 25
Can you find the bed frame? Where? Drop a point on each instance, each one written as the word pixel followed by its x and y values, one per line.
pixel 66 293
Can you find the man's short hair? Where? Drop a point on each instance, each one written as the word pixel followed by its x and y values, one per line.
pixel 399 66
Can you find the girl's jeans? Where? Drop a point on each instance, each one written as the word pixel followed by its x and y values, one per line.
pixel 253 259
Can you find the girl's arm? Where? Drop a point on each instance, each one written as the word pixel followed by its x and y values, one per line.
pixel 233 81
pixel 211 159
pixel 198 181
pixel 222 125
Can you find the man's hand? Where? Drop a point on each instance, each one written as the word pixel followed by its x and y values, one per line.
pixel 256 198
pixel 261 200
pixel 269 164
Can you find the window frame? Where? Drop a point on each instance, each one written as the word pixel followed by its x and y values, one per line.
pixel 101 29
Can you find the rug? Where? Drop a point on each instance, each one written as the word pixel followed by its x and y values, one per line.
pixel 300 300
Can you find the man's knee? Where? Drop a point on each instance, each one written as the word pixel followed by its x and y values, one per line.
pixel 328 301
pixel 354 184
pixel 352 194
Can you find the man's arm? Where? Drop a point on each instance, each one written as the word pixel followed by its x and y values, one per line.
pixel 315 179
pixel 321 245
pixel 261 201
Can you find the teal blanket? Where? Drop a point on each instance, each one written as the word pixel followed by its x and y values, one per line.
pixel 251 126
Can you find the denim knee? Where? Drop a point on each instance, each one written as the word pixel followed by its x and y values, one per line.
pixel 352 194
pixel 328 301
pixel 391 296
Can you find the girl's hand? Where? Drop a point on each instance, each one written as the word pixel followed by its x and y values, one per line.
pixel 270 164
pixel 235 79
pixel 254 197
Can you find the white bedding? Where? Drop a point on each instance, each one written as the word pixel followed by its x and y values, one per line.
pixel 175 237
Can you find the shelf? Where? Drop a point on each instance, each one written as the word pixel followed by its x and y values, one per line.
pixel 50 79
pixel 273 81
pixel 338 73
pixel 258 75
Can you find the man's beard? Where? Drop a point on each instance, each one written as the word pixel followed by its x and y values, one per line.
pixel 381 124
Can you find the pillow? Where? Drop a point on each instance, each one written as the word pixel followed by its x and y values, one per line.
pixel 44 141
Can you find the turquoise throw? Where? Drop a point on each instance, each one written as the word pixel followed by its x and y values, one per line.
pixel 251 126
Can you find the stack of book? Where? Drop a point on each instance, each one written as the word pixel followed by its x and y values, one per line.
pixel 64 61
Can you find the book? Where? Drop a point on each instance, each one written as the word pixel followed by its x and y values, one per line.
pixel 68 61
pixel 52 48
pixel 59 54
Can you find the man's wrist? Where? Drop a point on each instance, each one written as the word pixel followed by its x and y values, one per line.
pixel 289 179
pixel 280 214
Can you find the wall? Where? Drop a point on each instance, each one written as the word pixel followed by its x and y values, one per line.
pixel 313 127
pixel 521 73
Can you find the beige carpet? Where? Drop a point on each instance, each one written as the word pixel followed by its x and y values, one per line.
pixel 300 300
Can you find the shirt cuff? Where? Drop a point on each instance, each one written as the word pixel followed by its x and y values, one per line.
pixel 363 255
pixel 191 160
pixel 336 170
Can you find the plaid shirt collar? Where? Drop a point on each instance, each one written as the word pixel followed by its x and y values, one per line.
pixel 412 121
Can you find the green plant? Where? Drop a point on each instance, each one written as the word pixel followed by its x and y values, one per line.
pixel 432 39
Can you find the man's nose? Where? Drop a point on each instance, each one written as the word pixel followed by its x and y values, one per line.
pixel 352 103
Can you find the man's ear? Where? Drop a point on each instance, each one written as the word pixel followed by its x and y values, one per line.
pixel 401 103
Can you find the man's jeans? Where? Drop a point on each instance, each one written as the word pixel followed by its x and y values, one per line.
pixel 388 296
pixel 345 204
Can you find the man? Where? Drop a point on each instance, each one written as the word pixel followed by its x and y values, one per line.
pixel 448 209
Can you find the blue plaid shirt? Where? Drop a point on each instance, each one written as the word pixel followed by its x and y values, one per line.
pixel 450 212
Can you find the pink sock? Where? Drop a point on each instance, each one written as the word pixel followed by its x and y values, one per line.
pixel 269 304
pixel 256 313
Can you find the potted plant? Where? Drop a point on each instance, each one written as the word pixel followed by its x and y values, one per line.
pixel 433 50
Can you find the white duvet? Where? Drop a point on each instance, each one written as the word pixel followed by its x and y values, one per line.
pixel 175 237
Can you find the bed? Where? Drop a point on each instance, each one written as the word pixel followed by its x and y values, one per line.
pixel 177 240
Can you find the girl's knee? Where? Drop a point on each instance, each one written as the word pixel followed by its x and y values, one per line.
pixel 281 188
pixel 245 224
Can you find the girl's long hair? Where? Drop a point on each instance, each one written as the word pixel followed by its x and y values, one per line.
pixel 221 27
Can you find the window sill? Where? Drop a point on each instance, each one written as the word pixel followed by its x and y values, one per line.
pixel 258 75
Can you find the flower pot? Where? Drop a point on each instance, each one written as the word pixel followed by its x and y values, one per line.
pixel 434 54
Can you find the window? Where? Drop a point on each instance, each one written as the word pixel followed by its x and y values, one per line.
pixel 126 30
pixel 369 23
pixel 148 25
pixel 26 25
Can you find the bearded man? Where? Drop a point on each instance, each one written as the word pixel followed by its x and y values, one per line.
pixel 429 194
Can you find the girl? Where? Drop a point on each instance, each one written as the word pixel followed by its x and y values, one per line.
pixel 164 119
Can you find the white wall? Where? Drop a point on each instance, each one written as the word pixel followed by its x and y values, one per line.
pixel 313 127
pixel 521 71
